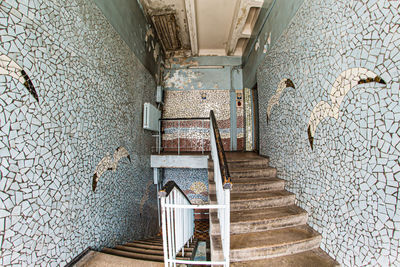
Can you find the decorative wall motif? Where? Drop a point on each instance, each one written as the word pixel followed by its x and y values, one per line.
pixel 349 182
pixel 193 182
pixel 108 163
pixel 274 100
pixel 10 68
pixel 92 89
pixel 346 81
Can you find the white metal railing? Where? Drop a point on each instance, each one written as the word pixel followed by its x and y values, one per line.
pixel 177 223
pixel 222 188
pixel 177 213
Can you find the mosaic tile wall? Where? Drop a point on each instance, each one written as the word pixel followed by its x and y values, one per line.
pixel 195 103
pixel 334 133
pixel 71 92
pixel 240 121
pixel 193 182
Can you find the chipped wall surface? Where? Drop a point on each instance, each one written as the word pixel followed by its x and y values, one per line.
pixel 90 90
pixel 197 79
pixel 333 133
pixel 193 93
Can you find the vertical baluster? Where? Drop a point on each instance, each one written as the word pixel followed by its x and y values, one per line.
pixel 179 132
pixel 164 230
pixel 202 137
pixel 169 232
pixel 182 218
pixel 227 224
pixel 159 136
pixel 173 226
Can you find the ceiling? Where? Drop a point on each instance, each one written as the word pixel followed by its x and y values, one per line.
pixel 203 27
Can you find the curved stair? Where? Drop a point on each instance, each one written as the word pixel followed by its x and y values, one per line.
pixel 267 228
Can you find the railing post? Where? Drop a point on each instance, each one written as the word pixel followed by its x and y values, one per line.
pixel 159 136
pixel 169 229
pixel 227 219
pixel 202 137
pixel 164 230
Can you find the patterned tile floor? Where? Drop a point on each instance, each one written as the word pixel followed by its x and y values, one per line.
pixel 202 229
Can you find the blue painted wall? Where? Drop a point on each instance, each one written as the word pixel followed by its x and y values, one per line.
pixel 273 20
pixel 127 18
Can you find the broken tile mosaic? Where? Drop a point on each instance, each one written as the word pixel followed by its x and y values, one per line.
pixel 344 58
pixel 92 88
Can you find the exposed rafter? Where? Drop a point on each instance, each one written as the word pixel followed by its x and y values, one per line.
pixel 246 14
pixel 192 25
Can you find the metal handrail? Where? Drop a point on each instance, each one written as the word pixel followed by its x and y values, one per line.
pixel 227 184
pixel 167 188
pixel 178 213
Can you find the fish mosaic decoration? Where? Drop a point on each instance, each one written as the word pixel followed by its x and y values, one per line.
pixel 274 100
pixel 109 163
pixel 10 68
pixel 346 81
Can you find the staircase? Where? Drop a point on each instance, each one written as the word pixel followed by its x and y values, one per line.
pixel 148 252
pixel 267 228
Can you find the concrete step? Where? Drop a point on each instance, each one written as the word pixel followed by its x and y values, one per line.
pixel 153 247
pixel 258 220
pixel 311 258
pixel 258 200
pixel 253 184
pixel 149 242
pixel 241 156
pixel 252 172
pixel 99 259
pixel 245 163
pixel 140 256
pixel 272 243
pixel 150 251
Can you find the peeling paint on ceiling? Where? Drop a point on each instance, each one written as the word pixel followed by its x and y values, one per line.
pixel 203 27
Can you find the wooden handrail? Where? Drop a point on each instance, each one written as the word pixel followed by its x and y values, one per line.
pixel 167 188
pixel 223 165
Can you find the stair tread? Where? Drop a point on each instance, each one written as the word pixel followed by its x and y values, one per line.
pixel 272 238
pixel 256 180
pixel 100 259
pixel 155 247
pixel 148 242
pixel 244 169
pixel 311 258
pixel 134 255
pixel 146 250
pixel 243 196
pixel 266 213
